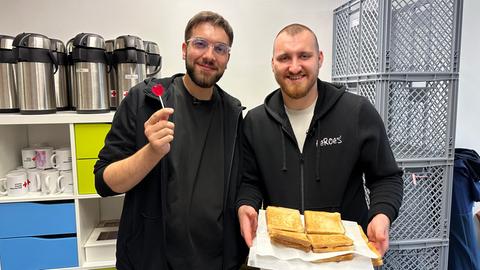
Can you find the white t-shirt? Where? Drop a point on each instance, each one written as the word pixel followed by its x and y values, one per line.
pixel 300 121
pixel 476 221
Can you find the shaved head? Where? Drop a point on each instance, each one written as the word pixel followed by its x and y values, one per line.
pixel 296 28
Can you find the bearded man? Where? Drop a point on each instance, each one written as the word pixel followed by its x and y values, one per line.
pixel 179 169
pixel 310 145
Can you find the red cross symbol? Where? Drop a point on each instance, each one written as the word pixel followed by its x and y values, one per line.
pixel 26 183
pixel 125 93
pixel 113 93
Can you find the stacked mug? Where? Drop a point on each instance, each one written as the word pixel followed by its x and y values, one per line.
pixel 44 170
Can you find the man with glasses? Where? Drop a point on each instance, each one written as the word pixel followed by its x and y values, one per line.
pixel 178 165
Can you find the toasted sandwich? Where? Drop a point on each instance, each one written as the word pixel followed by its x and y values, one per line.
pixel 317 222
pixel 330 242
pixel 285 219
pixel 296 240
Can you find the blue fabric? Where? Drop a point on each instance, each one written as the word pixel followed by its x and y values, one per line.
pixel 464 253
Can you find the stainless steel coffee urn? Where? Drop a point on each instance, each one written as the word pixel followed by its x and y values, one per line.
pixel 129 58
pixel 60 77
pixel 35 69
pixel 154 59
pixel 90 64
pixel 112 75
pixel 8 86
pixel 72 92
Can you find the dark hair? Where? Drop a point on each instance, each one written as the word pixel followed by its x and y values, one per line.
pixel 209 17
pixel 295 28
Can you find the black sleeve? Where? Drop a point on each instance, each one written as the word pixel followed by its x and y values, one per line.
pixel 120 143
pixel 382 175
pixel 250 186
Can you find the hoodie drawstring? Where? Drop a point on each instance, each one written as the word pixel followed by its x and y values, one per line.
pixel 284 165
pixel 317 156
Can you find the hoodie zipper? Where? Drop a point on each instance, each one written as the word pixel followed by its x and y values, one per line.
pixel 302 193
pixel 302 180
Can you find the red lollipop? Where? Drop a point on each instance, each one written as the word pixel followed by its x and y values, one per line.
pixel 158 91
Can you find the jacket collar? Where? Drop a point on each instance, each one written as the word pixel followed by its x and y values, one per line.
pixel 166 83
pixel 328 95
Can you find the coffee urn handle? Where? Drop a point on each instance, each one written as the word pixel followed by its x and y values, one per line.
pixel 158 67
pixel 54 61
pixel 110 63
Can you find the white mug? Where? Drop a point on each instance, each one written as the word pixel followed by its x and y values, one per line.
pixel 19 169
pixel 62 159
pixel 3 187
pixel 35 183
pixel 28 158
pixel 43 157
pixel 50 181
pixel 15 183
pixel 65 183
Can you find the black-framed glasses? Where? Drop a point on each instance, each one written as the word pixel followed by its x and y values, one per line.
pixel 202 44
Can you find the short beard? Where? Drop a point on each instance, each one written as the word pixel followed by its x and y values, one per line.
pixel 294 93
pixel 199 80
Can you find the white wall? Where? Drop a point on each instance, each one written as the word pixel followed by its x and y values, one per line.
pixel 255 23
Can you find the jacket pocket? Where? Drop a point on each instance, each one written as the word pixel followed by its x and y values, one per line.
pixel 145 247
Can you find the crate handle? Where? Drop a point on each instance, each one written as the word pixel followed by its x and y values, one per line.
pixel 354 16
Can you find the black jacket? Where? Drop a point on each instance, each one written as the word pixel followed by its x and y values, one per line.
pixel 141 236
pixel 345 141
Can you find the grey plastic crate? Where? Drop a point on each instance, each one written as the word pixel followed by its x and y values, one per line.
pixel 418 256
pixel 396 36
pixel 418 111
pixel 425 211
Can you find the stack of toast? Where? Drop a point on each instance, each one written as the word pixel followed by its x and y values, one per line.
pixel 323 232
pixel 326 233
pixel 285 227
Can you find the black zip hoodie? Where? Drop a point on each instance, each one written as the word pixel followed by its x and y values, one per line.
pixel 346 141
pixel 141 236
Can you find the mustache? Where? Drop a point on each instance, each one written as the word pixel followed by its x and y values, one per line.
pixel 300 73
pixel 209 63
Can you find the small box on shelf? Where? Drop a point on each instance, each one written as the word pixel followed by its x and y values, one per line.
pixel 101 244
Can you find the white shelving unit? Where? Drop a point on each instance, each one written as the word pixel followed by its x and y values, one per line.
pixel 63 117
pixel 57 130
